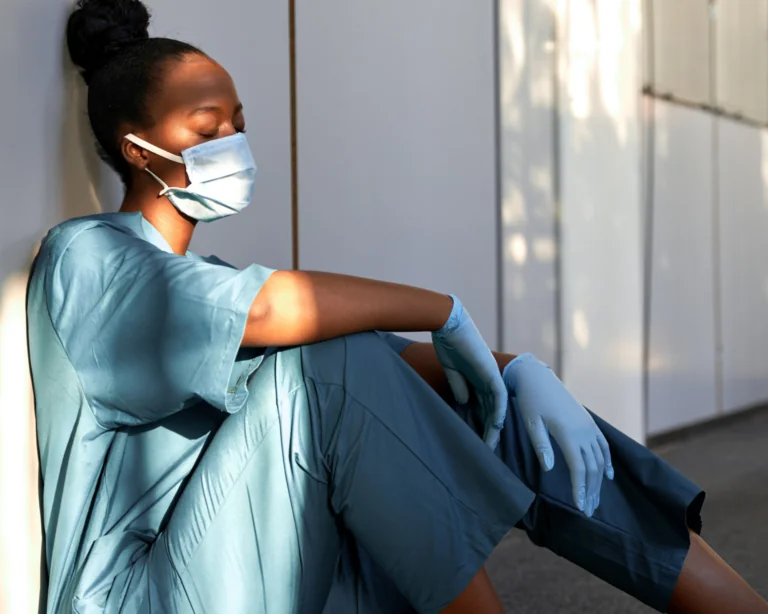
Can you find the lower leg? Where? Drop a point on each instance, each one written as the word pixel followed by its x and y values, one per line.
pixel 375 407
pixel 478 598
pixel 707 584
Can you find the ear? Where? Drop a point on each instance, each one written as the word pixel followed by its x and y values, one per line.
pixel 135 155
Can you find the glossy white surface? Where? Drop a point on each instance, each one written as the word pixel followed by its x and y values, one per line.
pixel 679 31
pixel 528 176
pixel 743 162
pixel 682 368
pixel 602 251
pixel 741 30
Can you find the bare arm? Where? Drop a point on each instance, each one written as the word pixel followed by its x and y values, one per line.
pixel 300 307
pixel 422 359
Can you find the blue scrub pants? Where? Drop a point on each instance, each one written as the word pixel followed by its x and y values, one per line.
pixel 347 485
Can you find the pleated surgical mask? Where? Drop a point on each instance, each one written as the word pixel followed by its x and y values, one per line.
pixel 222 174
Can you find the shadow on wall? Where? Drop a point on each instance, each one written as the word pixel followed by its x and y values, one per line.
pixel 553 101
pixel 570 87
pixel 527 32
pixel 78 188
pixel 82 184
pixel 602 217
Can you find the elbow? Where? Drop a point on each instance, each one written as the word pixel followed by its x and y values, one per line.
pixel 282 314
pixel 257 323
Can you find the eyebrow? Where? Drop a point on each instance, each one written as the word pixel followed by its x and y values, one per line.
pixel 213 109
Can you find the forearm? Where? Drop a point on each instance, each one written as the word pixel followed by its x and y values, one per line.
pixel 423 359
pixel 300 307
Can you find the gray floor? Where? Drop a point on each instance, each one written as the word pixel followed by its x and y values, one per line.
pixel 730 463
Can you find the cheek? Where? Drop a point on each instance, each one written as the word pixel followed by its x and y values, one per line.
pixel 174 174
pixel 177 174
pixel 173 137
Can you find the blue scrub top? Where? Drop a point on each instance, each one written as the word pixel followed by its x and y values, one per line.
pixel 123 334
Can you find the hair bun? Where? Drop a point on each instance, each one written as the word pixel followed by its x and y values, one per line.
pixel 100 29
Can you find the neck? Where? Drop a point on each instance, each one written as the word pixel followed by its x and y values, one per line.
pixel 176 228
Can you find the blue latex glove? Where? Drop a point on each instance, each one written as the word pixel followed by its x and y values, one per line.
pixel 468 361
pixel 548 408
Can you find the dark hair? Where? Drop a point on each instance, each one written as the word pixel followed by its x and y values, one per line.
pixel 122 65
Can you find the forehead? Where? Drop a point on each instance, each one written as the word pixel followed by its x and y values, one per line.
pixel 194 82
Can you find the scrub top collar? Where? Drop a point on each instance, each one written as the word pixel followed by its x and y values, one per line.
pixel 149 233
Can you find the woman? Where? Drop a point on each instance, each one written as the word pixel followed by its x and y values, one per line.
pixel 216 440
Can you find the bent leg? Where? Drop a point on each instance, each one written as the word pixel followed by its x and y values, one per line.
pixel 252 531
pixel 337 438
pixel 449 501
pixel 638 538
pixel 707 585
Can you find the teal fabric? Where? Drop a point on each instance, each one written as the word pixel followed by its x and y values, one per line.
pixel 182 474
pixel 637 540
pixel 122 335
pixel 337 439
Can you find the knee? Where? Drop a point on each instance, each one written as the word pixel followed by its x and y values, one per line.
pixel 339 360
pixel 366 345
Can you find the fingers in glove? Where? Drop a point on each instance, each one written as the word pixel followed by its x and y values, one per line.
pixel 458 385
pixel 494 406
pixel 500 403
pixel 606 450
pixel 492 436
pixel 578 469
pixel 598 454
pixel 594 479
pixel 539 435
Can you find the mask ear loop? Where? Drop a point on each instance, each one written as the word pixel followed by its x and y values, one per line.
pixel 160 152
pixel 154 149
pixel 166 188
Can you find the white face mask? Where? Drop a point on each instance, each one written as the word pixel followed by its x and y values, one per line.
pixel 222 175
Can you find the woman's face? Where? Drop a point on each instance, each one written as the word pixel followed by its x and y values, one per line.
pixel 197 102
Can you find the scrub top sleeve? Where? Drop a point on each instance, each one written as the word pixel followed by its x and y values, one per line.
pixel 150 332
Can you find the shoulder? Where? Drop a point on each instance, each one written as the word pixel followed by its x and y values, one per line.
pixel 86 235
pixel 77 255
pixel 99 245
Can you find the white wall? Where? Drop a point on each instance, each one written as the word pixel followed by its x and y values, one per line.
pixel 602 223
pixel 681 47
pixel 742 156
pixel 682 386
pixel 710 274
pixel 396 133
pixel 528 170
pixel 709 294
pixel 49 172
pixel 741 58
pixel 250 39
pixel 42 104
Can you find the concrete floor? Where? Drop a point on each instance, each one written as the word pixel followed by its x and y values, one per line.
pixel 730 462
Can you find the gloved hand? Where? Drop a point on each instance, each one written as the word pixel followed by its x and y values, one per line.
pixel 548 408
pixel 467 360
